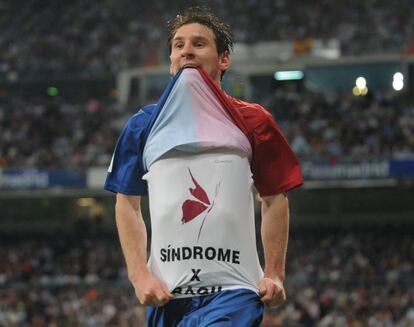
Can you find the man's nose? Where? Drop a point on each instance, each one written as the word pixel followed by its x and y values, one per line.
pixel 187 51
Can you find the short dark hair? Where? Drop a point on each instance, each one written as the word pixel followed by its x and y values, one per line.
pixel 204 16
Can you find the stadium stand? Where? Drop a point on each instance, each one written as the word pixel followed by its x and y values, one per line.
pixel 100 38
pixel 52 133
pixel 55 133
pixel 119 38
pixel 340 126
pixel 337 277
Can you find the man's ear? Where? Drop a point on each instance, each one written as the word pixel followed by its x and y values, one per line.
pixel 224 61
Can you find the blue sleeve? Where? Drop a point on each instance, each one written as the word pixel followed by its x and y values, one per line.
pixel 126 169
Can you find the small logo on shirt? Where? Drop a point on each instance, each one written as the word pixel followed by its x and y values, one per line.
pixel 222 161
pixel 194 208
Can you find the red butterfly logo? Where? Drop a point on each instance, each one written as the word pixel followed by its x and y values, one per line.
pixel 192 209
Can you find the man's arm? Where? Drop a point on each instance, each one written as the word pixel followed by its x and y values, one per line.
pixel 133 237
pixel 274 230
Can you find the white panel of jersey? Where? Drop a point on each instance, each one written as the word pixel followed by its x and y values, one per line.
pixel 202 220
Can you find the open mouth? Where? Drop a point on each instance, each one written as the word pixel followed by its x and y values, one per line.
pixel 189 66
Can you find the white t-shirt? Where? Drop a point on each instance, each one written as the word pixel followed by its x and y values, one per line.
pixel 202 220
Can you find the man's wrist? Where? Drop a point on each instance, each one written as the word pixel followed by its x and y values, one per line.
pixel 275 275
pixel 138 274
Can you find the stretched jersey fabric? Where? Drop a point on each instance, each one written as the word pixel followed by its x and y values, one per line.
pixel 202 221
pixel 235 125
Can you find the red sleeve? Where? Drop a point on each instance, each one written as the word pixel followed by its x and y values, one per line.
pixel 275 167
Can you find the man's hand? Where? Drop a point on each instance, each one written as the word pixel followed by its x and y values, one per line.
pixel 271 291
pixel 151 291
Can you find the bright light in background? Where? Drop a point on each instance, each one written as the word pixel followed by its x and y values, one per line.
pixel 364 91
pixel 361 82
pixel 398 81
pixel 397 85
pixel 86 202
pixel 289 75
pixel 52 91
pixel 360 88
pixel 398 76
pixel 357 91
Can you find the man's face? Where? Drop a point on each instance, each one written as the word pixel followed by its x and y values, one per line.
pixel 194 45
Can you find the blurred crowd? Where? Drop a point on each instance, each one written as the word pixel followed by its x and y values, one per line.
pixel 53 133
pixel 99 38
pixel 334 278
pixel 340 126
pixel 95 38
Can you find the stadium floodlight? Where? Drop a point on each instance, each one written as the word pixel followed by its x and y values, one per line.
pixel 356 91
pixel 397 85
pixel 398 81
pixel 398 76
pixel 361 83
pixel 359 92
pixel 364 91
pixel 288 75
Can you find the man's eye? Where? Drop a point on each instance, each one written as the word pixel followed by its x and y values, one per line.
pixel 178 45
pixel 199 44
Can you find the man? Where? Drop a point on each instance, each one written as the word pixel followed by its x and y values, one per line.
pixel 195 154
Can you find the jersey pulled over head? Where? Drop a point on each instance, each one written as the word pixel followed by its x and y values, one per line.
pixel 191 118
